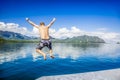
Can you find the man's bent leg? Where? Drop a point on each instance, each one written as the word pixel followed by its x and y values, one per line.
pixel 39 51
pixel 51 53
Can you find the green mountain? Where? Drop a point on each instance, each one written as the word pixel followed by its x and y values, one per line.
pixel 7 36
pixel 81 39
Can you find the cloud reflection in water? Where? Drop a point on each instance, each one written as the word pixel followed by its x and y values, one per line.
pixel 13 51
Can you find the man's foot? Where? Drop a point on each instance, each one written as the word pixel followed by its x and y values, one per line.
pixel 52 57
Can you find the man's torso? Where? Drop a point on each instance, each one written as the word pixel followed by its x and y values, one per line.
pixel 44 32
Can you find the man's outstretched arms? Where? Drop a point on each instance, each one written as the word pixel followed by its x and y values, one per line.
pixel 50 24
pixel 33 24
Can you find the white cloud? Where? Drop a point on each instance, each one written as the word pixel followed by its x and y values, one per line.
pixel 107 36
pixel 74 31
pixel 35 32
pixel 62 32
pixel 13 28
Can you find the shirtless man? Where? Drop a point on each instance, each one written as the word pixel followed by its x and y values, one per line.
pixel 44 34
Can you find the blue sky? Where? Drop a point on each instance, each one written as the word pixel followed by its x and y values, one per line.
pixel 88 15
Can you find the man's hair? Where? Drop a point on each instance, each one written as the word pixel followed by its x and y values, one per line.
pixel 42 23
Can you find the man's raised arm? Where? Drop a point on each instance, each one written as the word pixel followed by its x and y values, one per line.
pixel 50 24
pixel 33 24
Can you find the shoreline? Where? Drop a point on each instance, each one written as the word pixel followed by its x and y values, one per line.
pixel 112 74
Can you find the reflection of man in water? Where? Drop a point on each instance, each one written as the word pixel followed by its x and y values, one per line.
pixel 44 34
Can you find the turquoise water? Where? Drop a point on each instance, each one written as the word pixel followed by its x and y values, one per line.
pixel 19 61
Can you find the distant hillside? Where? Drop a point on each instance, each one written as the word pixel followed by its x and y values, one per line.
pixel 12 35
pixel 8 36
pixel 81 39
pixel 17 37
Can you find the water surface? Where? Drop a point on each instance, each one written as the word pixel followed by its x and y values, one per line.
pixel 20 61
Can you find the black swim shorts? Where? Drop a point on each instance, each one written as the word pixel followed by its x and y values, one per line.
pixel 43 43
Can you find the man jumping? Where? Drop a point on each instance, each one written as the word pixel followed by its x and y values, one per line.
pixel 44 34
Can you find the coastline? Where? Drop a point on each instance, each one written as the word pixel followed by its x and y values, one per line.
pixel 112 74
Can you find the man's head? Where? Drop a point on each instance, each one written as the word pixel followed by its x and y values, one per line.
pixel 42 23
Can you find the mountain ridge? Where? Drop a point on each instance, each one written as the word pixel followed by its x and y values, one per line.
pixel 7 35
pixel 14 36
pixel 81 39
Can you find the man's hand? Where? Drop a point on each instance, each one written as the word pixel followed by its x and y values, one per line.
pixel 32 23
pixel 54 19
pixel 27 19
